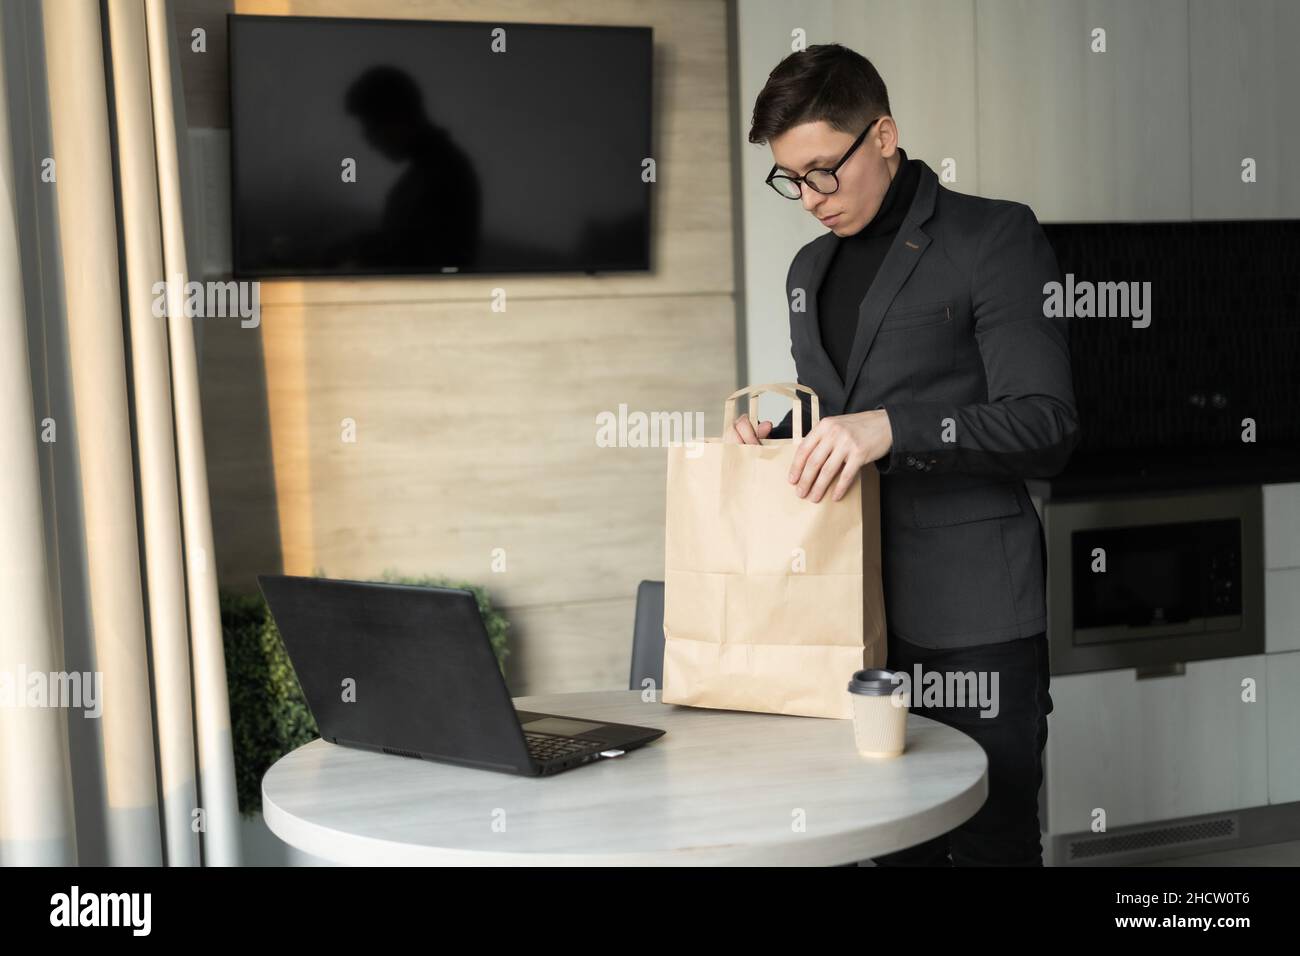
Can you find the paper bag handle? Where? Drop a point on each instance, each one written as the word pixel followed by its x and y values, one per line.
pixel 789 389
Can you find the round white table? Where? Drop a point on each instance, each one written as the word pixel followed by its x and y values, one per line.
pixel 721 787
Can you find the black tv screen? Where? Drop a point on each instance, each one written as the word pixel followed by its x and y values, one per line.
pixel 416 147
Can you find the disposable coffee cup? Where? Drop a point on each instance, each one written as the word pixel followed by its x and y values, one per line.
pixel 879 721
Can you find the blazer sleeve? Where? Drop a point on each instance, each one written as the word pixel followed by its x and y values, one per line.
pixel 1029 425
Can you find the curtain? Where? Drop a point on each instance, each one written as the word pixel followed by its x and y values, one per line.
pixel 105 528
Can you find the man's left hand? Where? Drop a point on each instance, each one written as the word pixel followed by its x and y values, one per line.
pixel 838 447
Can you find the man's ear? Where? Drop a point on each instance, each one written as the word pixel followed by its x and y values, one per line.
pixel 885 136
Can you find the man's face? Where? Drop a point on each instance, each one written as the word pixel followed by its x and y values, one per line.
pixel 864 177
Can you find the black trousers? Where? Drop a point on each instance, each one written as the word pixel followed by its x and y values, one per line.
pixel 1004 831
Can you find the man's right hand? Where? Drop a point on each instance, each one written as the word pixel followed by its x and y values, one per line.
pixel 742 431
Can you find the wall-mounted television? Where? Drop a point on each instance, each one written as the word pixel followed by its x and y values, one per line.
pixel 417 147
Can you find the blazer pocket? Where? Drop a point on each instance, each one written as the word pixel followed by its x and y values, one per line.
pixel 944 508
pixel 916 317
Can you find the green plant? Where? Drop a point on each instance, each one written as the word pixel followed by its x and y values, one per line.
pixel 269 715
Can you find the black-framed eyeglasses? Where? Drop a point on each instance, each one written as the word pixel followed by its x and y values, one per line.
pixel 820 180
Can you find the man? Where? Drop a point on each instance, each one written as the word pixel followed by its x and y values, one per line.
pixel 918 321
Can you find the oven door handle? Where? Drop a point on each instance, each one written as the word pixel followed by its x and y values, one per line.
pixel 1176 669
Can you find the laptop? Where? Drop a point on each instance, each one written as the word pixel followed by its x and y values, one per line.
pixel 410 671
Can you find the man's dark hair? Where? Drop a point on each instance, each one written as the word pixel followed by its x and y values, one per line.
pixel 824 82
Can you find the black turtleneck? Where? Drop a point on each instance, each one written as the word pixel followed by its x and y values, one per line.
pixel 855 261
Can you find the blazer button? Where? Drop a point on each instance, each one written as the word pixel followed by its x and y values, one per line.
pixel 911 460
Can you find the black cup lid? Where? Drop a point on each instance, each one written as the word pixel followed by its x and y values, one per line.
pixel 874 682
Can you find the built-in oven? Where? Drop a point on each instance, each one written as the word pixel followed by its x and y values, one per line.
pixel 1152 582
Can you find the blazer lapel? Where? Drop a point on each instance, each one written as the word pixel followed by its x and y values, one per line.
pixel 829 387
pixel 902 257
pixel 904 253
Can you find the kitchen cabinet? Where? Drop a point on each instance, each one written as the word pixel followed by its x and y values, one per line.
pixel 1243 80
pixel 1282 611
pixel 1156 749
pixel 1082 135
pixel 1283 701
pixel 1282 526
pixel 1282 569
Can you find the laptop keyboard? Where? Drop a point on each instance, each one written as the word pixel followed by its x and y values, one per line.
pixel 545 747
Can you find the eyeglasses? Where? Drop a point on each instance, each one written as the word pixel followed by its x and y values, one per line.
pixel 823 181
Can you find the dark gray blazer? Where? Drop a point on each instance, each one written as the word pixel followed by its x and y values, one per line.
pixel 953 344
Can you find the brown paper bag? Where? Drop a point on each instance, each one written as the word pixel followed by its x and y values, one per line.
pixel 771 601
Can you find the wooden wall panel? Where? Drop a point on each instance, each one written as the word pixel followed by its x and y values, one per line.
pixel 476 429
